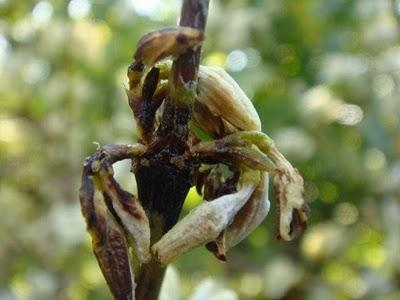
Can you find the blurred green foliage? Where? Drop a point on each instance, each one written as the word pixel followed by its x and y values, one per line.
pixel 324 76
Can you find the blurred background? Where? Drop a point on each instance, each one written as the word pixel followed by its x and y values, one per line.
pixel 324 76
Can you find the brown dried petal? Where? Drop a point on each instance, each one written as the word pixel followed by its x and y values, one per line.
pixel 130 213
pixel 171 41
pixel 293 210
pixel 204 223
pixel 288 183
pixel 238 154
pixel 223 97
pixel 108 241
pixel 250 215
pixel 245 221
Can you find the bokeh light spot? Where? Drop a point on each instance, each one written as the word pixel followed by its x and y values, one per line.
pixel 144 8
pixel 281 274
pixel 355 288
pixel 337 273
pixel 36 70
pixel 391 120
pixel 319 104
pixel 236 61
pixel 42 12
pixel 349 114
pixel 328 192
pixel 346 213
pixel 374 256
pixel 20 287
pixel 78 9
pixel 375 159
pixel 311 192
pixel 383 85
pixel 296 143
pixel 253 57
pixel 217 59
pixel 321 241
pixel 250 285
pixel 4 50
pixel 23 31
pixel 9 130
pixel 312 245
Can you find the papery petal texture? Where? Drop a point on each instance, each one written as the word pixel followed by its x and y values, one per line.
pixel 220 96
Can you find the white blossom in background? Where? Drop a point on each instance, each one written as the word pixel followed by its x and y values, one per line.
pixel 280 274
pixel 321 106
pixel 212 290
pixel 295 143
pixel 42 13
pixel 324 240
pixel 382 31
pixel 171 286
pixel 339 66
pixel 79 9
pixel 207 288
pixel 391 211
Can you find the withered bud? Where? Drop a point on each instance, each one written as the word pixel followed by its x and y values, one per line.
pixel 288 183
pixel 205 222
pixel 293 210
pixel 221 106
pixel 245 221
pixel 170 41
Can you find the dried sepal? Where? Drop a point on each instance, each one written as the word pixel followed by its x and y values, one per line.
pixel 118 152
pixel 208 122
pixel 293 210
pixel 289 187
pixel 135 221
pixel 220 95
pixel 245 221
pixel 257 151
pixel 108 240
pixel 128 209
pixel 145 99
pixel 111 251
pixel 170 41
pixel 250 215
pixel 218 247
pixel 213 183
pixel 205 222
pixel 233 150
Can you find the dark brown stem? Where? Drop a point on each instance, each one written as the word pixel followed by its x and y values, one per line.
pixel 184 74
pixel 186 66
pixel 163 185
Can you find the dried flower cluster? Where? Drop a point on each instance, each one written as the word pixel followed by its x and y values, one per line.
pixel 231 168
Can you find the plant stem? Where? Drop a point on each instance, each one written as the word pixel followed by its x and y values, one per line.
pixel 185 67
pixel 184 74
pixel 162 185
